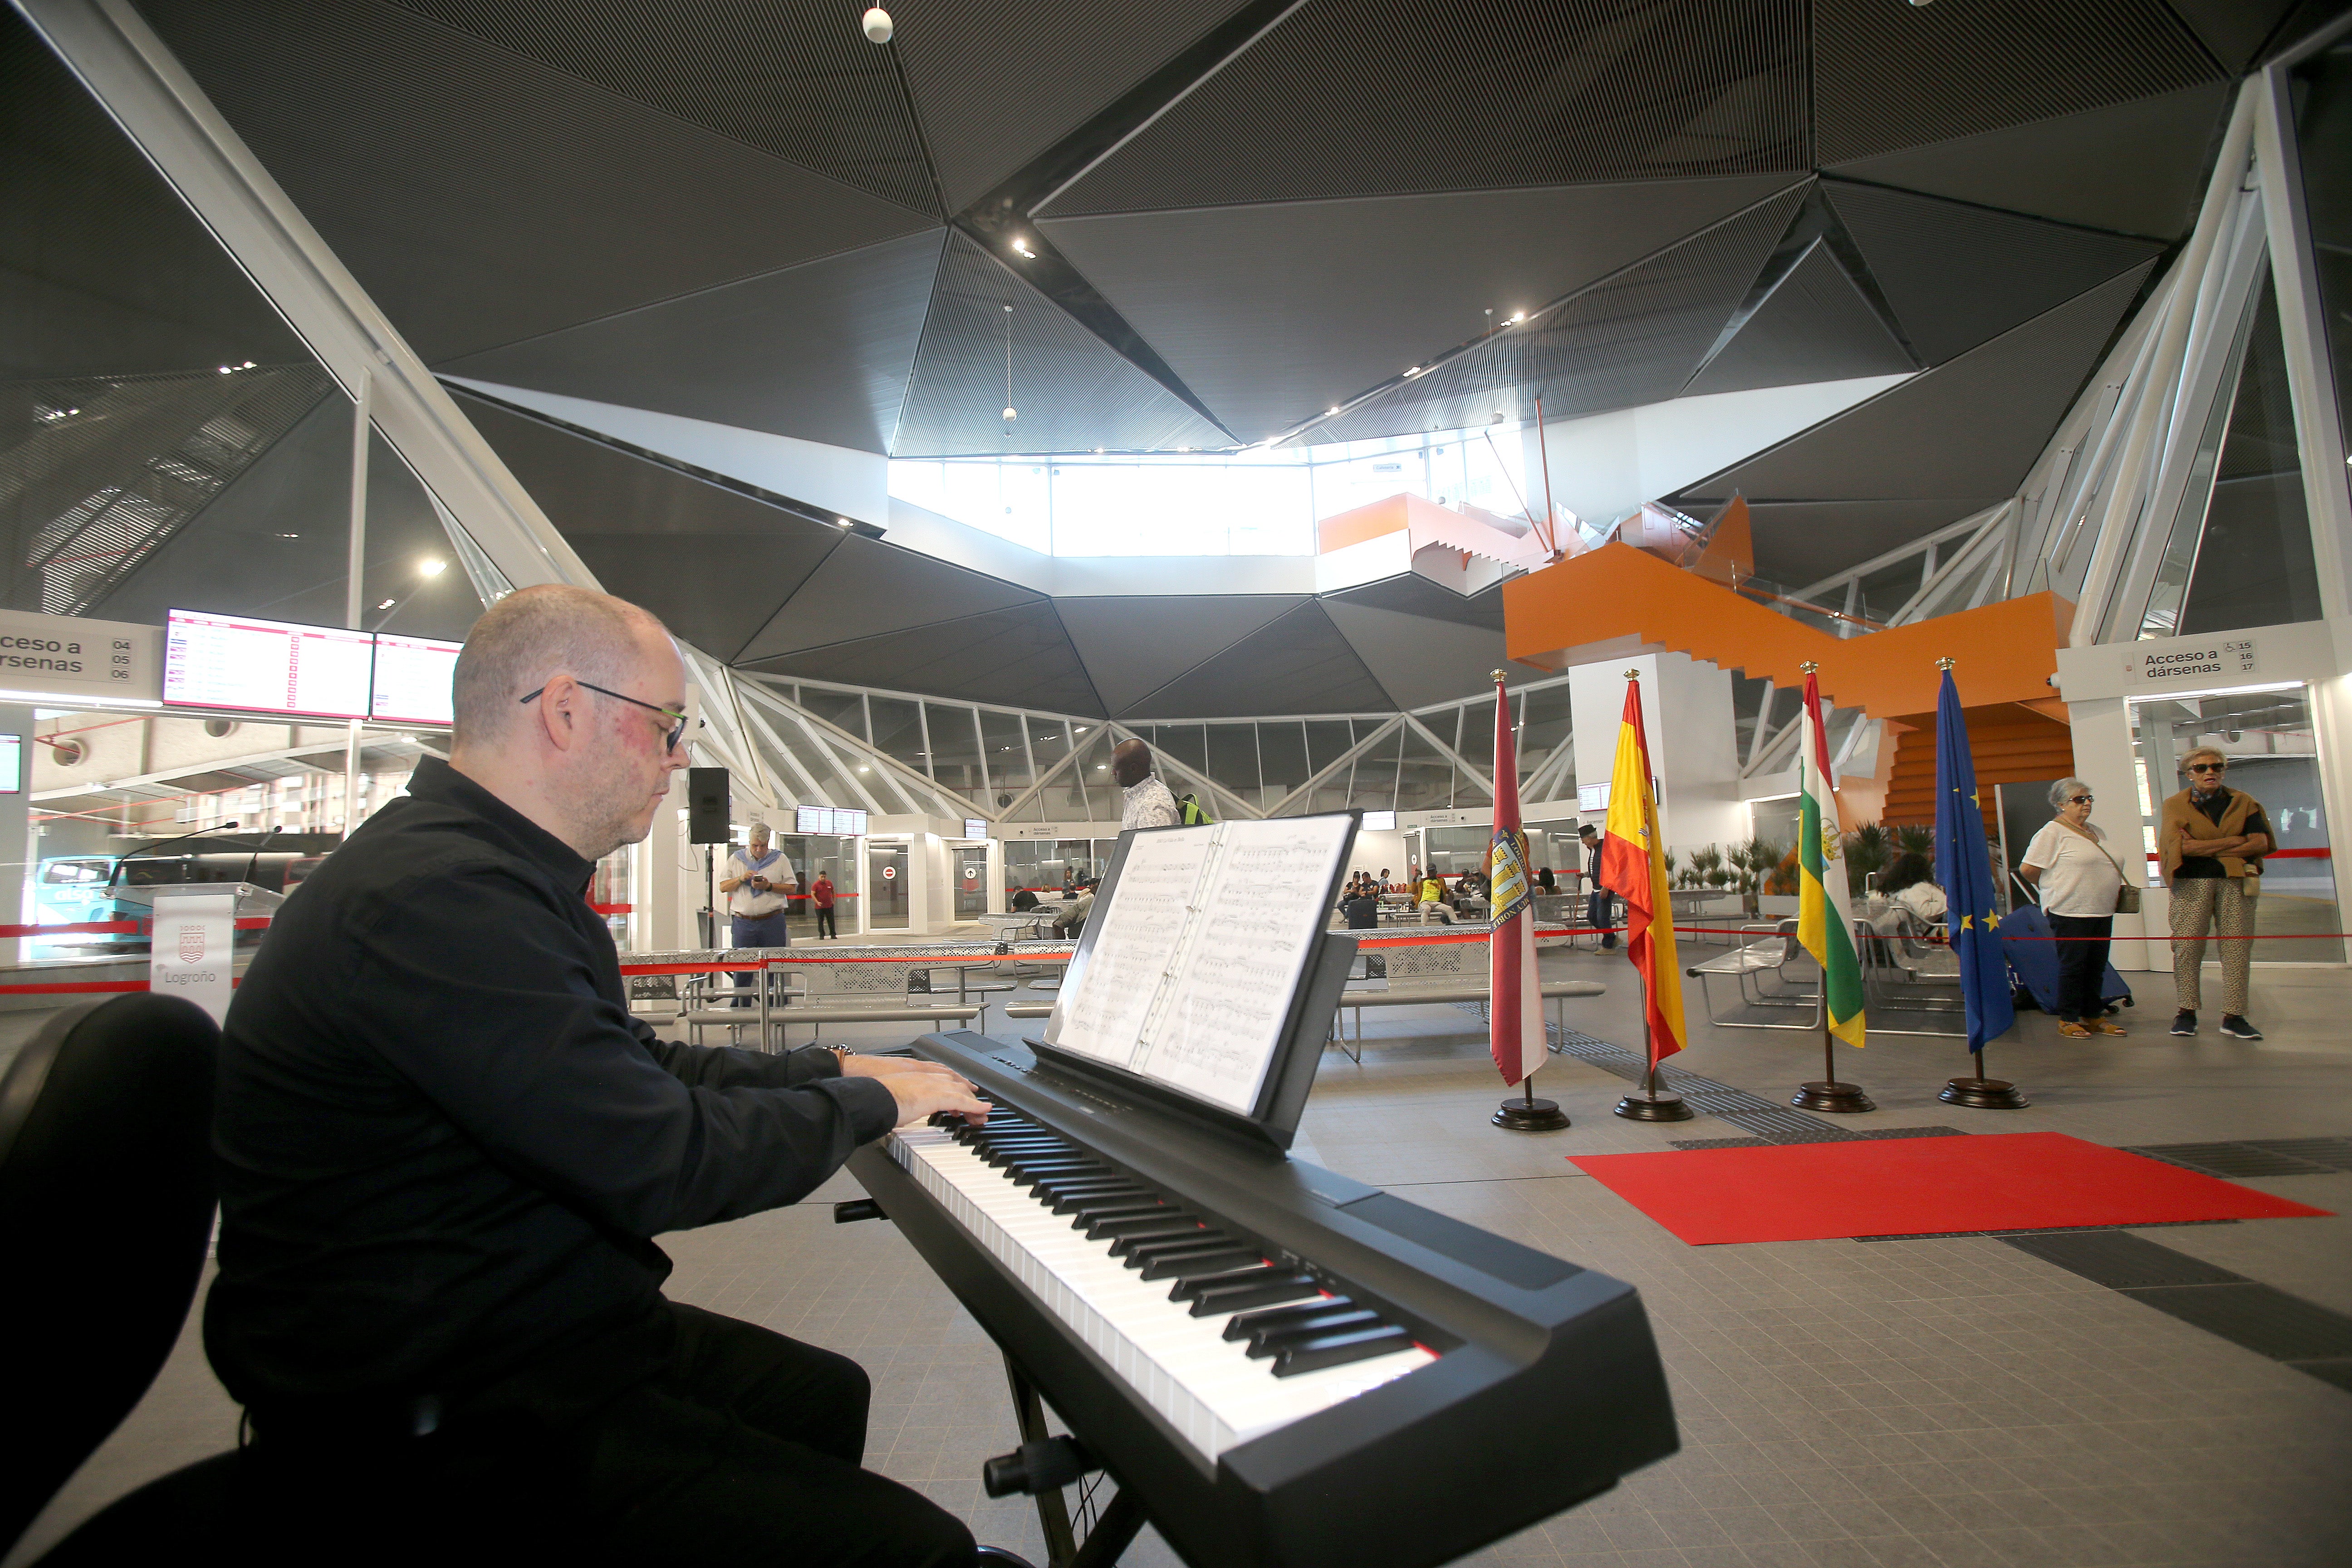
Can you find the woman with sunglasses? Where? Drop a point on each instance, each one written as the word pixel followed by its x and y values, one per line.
pixel 2211 843
pixel 2078 882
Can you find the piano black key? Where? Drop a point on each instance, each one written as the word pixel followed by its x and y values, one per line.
pixel 1271 1342
pixel 1262 1287
pixel 1139 1249
pixel 1123 1205
pixel 1338 1350
pixel 1154 1222
pixel 1183 1265
pixel 1022 1175
pixel 1001 1154
pixel 1069 1197
pixel 1248 1323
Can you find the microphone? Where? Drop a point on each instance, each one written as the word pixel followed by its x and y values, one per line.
pixel 116 878
pixel 255 859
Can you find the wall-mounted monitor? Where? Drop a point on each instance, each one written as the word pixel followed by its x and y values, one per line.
pixel 411 680
pixel 243 664
pixel 975 827
pixel 12 765
pixel 1592 797
pixel 840 821
pixel 1380 822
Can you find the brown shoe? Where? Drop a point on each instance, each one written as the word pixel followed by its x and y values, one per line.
pixel 2108 1027
pixel 2073 1031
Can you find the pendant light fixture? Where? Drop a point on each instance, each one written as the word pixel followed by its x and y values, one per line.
pixel 1011 412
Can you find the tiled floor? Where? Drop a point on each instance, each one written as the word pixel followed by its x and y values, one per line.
pixel 1950 1402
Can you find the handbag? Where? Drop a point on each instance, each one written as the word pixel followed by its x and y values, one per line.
pixel 2128 894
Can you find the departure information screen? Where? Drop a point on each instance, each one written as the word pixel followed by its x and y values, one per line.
pixel 411 680
pixel 832 819
pixel 241 663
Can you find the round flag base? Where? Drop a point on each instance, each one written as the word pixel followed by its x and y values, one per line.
pixel 1663 1106
pixel 1841 1099
pixel 1531 1116
pixel 1983 1094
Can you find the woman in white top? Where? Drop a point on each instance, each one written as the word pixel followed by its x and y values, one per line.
pixel 2078 881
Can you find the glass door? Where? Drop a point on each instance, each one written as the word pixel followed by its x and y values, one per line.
pixel 886 887
pixel 2273 756
pixel 970 882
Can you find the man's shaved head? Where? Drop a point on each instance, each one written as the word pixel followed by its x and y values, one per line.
pixel 1131 762
pixel 530 635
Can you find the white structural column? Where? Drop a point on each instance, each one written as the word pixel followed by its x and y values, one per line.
pixel 1693 748
pixel 2319 428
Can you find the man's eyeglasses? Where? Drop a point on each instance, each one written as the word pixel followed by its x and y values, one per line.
pixel 2207 767
pixel 677 720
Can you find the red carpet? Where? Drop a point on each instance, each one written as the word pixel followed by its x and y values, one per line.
pixel 1911 1186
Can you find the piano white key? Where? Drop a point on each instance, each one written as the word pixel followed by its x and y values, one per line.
pixel 1202 1384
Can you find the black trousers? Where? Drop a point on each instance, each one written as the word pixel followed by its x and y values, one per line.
pixel 743 1447
pixel 2082 963
pixel 824 926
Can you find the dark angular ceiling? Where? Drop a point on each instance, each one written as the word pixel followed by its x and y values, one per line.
pixel 1215 219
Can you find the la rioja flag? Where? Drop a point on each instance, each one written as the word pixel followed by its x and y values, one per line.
pixel 1825 910
pixel 1515 1015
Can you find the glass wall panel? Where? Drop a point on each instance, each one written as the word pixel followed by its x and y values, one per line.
pixel 899 731
pixel 2323 111
pixel 1543 729
pixel 955 749
pixel 1232 758
pixel 2272 752
pixel 1476 740
pixel 842 709
pixel 1332 794
pixel 1426 780
pixel 1374 787
pixel 1008 755
pixel 1327 740
pixel 2254 565
pixel 1282 759
pixel 1185 742
pixel 1049 743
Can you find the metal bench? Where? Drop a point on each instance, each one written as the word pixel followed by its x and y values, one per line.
pixel 823 1013
pixel 1421 995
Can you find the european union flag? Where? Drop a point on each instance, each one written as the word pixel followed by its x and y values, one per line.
pixel 1964 867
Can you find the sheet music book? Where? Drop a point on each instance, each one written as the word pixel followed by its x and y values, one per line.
pixel 1193 956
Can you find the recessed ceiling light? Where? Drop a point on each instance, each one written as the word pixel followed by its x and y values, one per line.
pixel 1333 409
pixel 1518 319
pixel 1414 371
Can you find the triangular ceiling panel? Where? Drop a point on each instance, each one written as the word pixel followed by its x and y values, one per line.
pixel 1410 594
pixel 1133 645
pixel 999 81
pixel 867 587
pixel 1969 428
pixel 1299 664
pixel 1800 543
pixel 1018 657
pixel 2235 30
pixel 103 269
pixel 481 198
pixel 821 351
pixel 1630 340
pixel 1271 313
pixel 789 78
pixel 2134 168
pixel 1352 99
pixel 1973 67
pixel 711 562
pixel 1813 326
pixel 1421 662
pixel 1956 276
pixel 1071 390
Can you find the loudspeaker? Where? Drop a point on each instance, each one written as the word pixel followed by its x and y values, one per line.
pixel 706 805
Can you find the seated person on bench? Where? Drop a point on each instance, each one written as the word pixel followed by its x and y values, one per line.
pixel 445 1149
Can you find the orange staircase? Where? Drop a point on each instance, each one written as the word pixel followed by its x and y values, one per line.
pixel 2013 743
pixel 1616 601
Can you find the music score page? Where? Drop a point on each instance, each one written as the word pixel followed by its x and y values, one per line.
pixel 1206 937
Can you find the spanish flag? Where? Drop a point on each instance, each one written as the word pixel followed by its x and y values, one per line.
pixel 1633 866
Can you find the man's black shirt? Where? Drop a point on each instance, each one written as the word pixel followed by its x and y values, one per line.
pixel 444 1145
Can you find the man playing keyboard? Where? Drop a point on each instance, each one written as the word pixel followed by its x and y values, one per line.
pixel 445 1148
